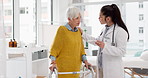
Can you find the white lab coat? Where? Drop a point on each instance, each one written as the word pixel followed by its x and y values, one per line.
pixel 112 55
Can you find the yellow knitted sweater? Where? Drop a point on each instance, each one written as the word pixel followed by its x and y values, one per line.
pixel 68 49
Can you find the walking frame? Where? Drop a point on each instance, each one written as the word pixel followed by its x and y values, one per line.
pixel 85 72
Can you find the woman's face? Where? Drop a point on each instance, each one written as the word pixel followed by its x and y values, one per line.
pixel 102 18
pixel 76 21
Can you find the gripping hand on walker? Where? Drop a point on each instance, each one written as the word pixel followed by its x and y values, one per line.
pixel 54 65
pixel 87 64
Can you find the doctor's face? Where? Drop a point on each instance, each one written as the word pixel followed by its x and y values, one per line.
pixel 102 18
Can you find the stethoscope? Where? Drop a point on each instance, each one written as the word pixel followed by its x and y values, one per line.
pixel 113 42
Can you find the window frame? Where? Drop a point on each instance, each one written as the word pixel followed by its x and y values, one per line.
pixel 141 30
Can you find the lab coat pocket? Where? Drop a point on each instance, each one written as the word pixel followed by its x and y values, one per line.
pixel 107 39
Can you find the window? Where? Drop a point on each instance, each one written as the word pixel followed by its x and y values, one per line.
pixel 8 30
pixel 141 43
pixel 22 10
pixel 136 33
pixel 10 0
pixel 45 11
pixel 28 26
pixel 141 17
pixel 91 18
pixel 8 12
pixel 140 30
pixel 8 18
pixel 1 29
pixel 77 1
pixel 141 5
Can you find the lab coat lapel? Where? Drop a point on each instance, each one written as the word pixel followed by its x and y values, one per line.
pixel 109 31
pixel 102 35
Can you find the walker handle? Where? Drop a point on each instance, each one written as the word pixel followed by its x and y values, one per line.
pixel 91 70
pixel 54 71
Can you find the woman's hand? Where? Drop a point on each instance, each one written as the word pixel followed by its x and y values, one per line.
pixel 87 64
pixel 54 65
pixel 100 43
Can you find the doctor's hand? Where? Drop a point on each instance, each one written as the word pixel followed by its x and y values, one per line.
pixel 100 43
pixel 87 64
pixel 80 30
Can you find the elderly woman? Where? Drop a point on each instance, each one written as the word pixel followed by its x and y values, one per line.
pixel 67 51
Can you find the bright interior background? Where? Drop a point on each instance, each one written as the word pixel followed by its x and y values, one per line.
pixel 27 20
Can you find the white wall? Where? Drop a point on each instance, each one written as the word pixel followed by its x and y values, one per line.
pixel 49 33
pixel 2 45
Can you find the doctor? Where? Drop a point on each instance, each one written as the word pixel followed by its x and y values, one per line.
pixel 112 43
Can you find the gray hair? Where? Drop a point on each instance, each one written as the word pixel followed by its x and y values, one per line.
pixel 73 12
